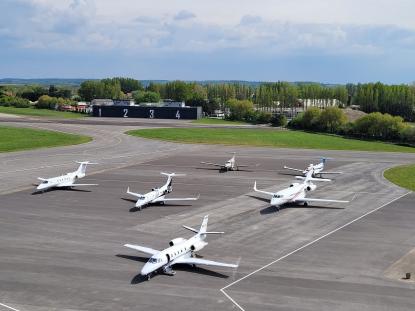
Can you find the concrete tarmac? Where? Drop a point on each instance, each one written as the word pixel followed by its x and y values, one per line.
pixel 63 249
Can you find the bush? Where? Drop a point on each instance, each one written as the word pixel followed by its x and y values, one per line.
pixel 310 118
pixel 408 135
pixel 331 120
pixel 17 102
pixel 279 120
pixel 297 122
pixel 240 109
pixel 379 126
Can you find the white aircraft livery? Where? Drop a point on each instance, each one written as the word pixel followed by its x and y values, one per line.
pixel 296 193
pixel 181 251
pixel 318 169
pixel 229 165
pixel 157 195
pixel 68 180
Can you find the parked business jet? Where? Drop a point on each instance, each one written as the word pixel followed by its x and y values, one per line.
pixel 157 195
pixel 65 181
pixel 318 169
pixel 296 193
pixel 229 165
pixel 181 251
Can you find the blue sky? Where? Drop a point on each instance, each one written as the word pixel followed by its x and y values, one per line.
pixel 334 41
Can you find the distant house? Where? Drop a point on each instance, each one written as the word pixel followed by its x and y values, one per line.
pixel 319 102
pixel 172 103
pixel 102 102
pixel 123 102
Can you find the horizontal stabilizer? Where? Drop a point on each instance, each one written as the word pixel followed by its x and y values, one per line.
pixel 191 229
pixel 85 162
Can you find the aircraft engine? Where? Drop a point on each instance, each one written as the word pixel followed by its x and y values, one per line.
pixel 198 246
pixel 311 187
pixel 176 241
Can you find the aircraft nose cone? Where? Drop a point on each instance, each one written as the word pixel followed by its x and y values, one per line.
pixel 146 269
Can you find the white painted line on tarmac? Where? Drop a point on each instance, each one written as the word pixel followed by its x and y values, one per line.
pixel 302 247
pixel 8 307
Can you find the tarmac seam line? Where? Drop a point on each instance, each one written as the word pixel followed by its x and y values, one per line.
pixel 304 246
pixel 6 306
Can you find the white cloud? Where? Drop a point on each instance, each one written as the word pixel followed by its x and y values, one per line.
pixel 262 27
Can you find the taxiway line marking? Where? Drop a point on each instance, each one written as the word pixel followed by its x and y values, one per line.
pixel 304 246
pixel 8 307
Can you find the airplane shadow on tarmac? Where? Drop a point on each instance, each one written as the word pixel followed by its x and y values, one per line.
pixel 178 267
pixel 273 209
pixel 60 189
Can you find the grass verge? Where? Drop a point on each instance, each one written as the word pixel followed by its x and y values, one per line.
pixel 403 176
pixel 41 113
pixel 218 122
pixel 16 139
pixel 266 137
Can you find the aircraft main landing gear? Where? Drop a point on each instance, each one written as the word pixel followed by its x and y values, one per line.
pixel 169 271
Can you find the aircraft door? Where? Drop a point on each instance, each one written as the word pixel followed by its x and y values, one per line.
pixel 168 257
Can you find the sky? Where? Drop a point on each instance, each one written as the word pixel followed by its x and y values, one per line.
pixel 329 41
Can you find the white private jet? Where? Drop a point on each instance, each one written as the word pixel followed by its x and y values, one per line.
pixel 157 195
pixel 181 251
pixel 318 169
pixel 296 193
pixel 65 181
pixel 229 165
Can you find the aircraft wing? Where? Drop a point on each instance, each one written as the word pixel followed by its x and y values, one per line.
pixel 160 199
pixel 42 179
pixel 324 172
pixel 133 193
pixel 320 200
pixel 199 261
pixel 262 191
pixel 142 249
pixel 214 164
pixel 293 169
pixel 82 185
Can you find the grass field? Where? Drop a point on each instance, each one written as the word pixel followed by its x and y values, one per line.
pixel 264 137
pixel 16 139
pixel 41 113
pixel 403 176
pixel 218 122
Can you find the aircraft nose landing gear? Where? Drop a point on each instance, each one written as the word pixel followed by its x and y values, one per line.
pixel 168 271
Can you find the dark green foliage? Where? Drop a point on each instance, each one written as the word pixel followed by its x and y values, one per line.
pixel 127 85
pixel 146 97
pixel 11 101
pixel 240 109
pixel 279 120
pixel 33 93
pixel 398 100
pixel 331 120
pixel 379 126
pixel 107 88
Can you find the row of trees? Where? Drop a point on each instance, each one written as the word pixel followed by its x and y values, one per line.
pixel 374 125
pixel 398 100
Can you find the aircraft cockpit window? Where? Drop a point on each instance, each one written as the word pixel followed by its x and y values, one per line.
pixel 44 182
pixel 141 198
pixel 154 260
pixel 277 196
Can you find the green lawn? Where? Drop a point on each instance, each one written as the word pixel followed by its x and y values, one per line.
pixel 41 112
pixel 403 176
pixel 16 139
pixel 266 137
pixel 218 122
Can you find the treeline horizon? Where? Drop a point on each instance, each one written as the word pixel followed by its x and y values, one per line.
pixel 398 100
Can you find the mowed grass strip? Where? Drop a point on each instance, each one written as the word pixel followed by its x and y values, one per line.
pixel 211 121
pixel 16 139
pixel 266 137
pixel 403 176
pixel 41 113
